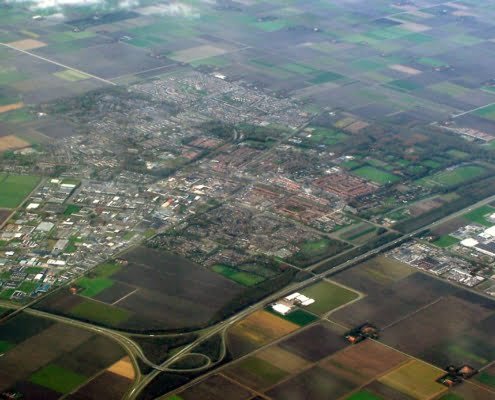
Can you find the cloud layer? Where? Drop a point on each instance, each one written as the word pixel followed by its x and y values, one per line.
pixel 174 9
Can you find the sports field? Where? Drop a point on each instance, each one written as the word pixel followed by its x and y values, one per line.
pixel 376 175
pixel 244 278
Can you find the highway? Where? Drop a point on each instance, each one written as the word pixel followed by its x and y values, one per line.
pixel 222 326
pixel 135 351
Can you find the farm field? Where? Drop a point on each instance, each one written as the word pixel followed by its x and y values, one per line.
pixel 410 293
pixel 215 387
pixel 314 343
pixel 256 330
pixel 62 358
pixel 328 296
pixel 256 373
pixel 415 379
pixel 253 139
pixel 122 296
pixel 364 361
pixel 15 188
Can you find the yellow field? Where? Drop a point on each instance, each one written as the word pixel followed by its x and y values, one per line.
pixel 262 327
pixel 416 379
pixel 27 44
pixel 11 107
pixel 123 368
pixel 11 142
pixel 283 359
pixel 71 75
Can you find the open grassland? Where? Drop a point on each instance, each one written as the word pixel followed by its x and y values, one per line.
pixel 15 188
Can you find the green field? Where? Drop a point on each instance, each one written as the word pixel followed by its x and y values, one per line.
pixel 486 379
pixel 446 241
pixel 479 215
pixel 15 188
pixel 71 209
pixel 268 373
pixel 375 175
pixel 324 77
pixel 56 378
pixel 100 313
pixel 326 136
pixel 298 316
pixel 486 112
pixel 358 232
pixel 404 85
pixel 241 277
pixel 328 296
pixel 312 251
pixel 449 89
pixel 454 176
pixel 301 317
pixel 364 395
pixel 93 286
pixel 105 270
pixel 5 345
pixel 71 75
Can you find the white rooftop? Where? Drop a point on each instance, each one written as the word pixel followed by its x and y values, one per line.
pixel 469 242
pixel 281 308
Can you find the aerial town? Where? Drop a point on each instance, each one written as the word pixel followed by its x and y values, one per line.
pixel 247 200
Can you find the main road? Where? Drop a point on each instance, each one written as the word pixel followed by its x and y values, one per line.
pixel 222 326
pixel 135 351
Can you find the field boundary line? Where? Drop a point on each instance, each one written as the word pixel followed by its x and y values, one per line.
pixel 473 110
pixel 124 297
pixel 57 63
pixel 236 382
pixel 412 313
